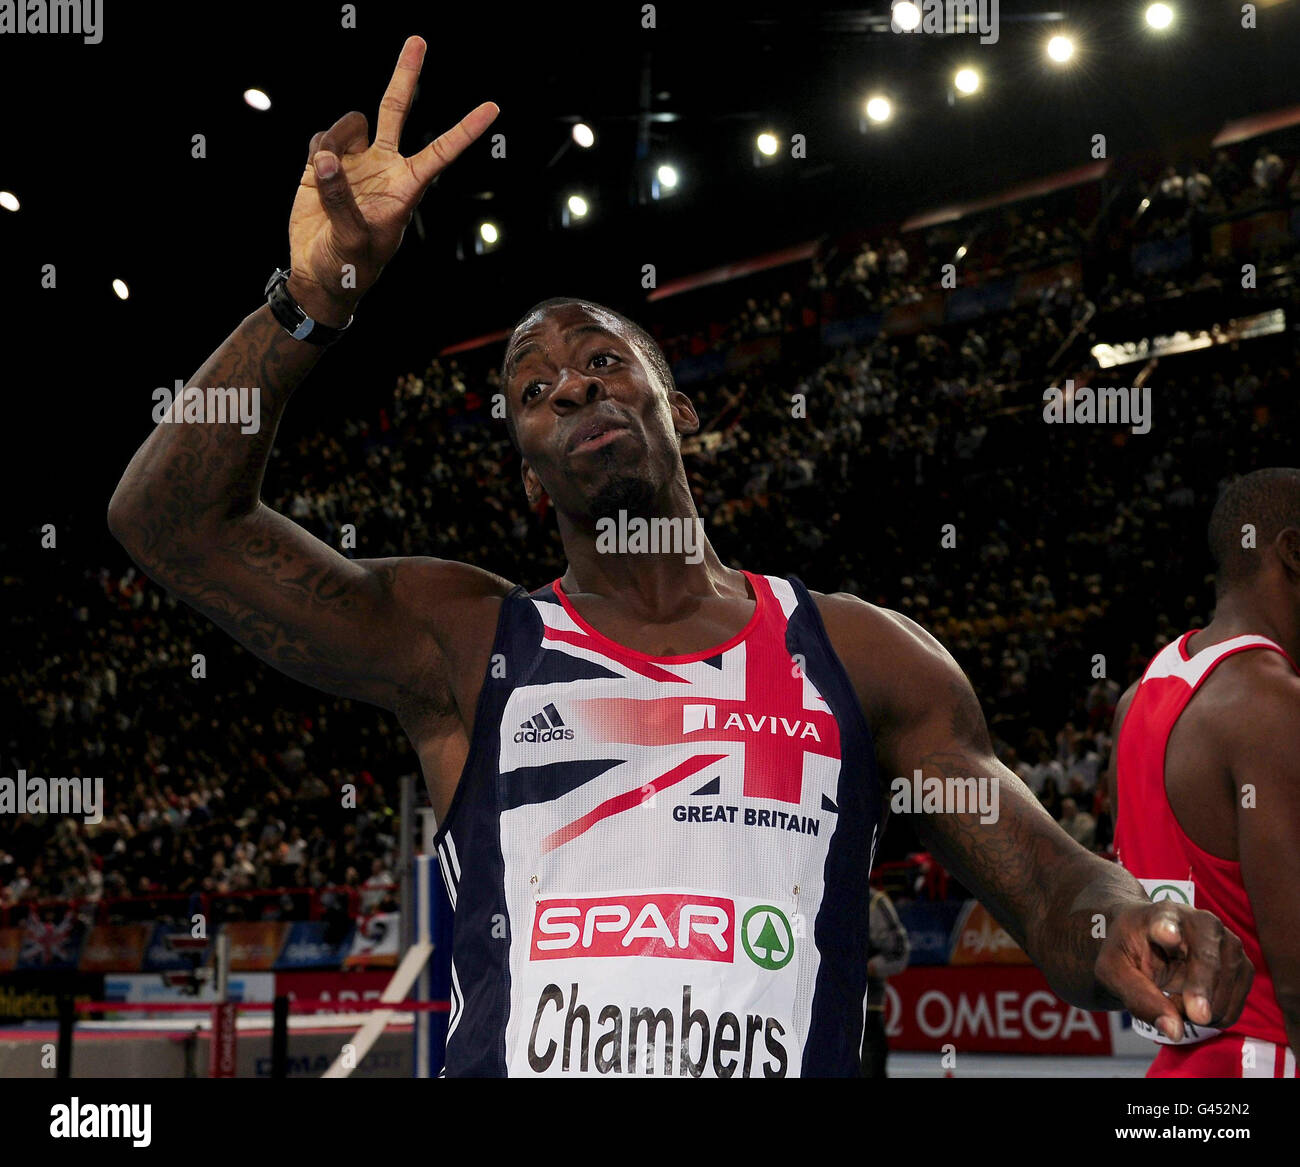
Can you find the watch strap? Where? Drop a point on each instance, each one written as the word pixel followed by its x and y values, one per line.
pixel 292 318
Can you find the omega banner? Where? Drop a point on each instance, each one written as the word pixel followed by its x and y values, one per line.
pixel 988 1009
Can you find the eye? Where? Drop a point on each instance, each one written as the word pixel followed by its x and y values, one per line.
pixel 528 393
pixel 607 355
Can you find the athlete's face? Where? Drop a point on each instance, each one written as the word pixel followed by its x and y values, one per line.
pixel 597 431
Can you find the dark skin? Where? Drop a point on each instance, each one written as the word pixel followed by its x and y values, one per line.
pixel 1243 730
pixel 414 634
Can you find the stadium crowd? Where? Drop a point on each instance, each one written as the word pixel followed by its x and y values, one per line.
pixel 1073 552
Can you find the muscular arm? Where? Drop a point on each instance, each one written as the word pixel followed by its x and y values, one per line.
pixel 189 513
pixel 1263 752
pixel 1040 885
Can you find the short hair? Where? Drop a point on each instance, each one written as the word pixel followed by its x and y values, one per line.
pixel 1269 500
pixel 641 340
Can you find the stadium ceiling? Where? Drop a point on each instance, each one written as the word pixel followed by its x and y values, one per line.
pixel 100 140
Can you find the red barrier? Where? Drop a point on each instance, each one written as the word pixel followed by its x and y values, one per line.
pixel 300 1006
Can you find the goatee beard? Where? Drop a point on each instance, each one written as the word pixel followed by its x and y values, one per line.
pixel 634 496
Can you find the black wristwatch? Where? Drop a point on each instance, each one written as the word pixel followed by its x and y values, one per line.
pixel 292 318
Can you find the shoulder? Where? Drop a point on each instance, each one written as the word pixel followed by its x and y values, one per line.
pixel 856 622
pixel 896 666
pixel 1251 703
pixel 456 602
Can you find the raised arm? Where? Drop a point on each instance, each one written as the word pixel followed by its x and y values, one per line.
pixel 1082 919
pixel 188 508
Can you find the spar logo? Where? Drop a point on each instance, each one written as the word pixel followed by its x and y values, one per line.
pixel 767 936
pixel 666 924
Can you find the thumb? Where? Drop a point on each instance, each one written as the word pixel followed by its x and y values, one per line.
pixel 335 194
pixel 1143 998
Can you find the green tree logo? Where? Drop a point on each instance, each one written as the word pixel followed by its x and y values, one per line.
pixel 767 936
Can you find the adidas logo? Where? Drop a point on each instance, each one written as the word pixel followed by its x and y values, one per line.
pixel 546 726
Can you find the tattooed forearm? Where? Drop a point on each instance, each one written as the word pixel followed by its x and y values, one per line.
pixel 188 475
pixel 1054 898
pixel 189 513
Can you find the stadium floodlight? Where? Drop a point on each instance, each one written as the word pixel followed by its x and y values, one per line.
pixel 766 143
pixel 486 237
pixel 574 209
pixel 966 81
pixel 1060 49
pixel 1160 16
pixel 665 181
pixel 905 15
pixel 879 109
pixel 9 200
pixel 584 135
pixel 120 290
pixel 257 99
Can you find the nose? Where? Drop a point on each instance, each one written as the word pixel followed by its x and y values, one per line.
pixel 574 388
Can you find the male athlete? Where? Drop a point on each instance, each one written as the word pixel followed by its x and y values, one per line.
pixel 660 781
pixel 1208 764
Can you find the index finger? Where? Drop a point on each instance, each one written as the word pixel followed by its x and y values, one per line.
pixel 445 148
pixel 396 102
pixel 1202 935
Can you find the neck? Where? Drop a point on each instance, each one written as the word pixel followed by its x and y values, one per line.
pixel 654 567
pixel 1254 612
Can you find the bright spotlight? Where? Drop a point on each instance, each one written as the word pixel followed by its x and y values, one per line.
pixel 121 290
pixel 1060 49
pixel 584 135
pixel 905 15
pixel 8 200
pixel 488 232
pixel 879 109
pixel 967 81
pixel 577 206
pixel 961 251
pixel 257 99
pixel 767 144
pixel 667 176
pixel 1160 16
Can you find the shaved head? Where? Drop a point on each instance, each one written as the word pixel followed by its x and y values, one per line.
pixel 1268 501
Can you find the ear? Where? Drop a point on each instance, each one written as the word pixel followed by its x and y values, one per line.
pixel 533 487
pixel 685 419
pixel 1287 546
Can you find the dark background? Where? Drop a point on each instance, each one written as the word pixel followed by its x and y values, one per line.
pixel 97 146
